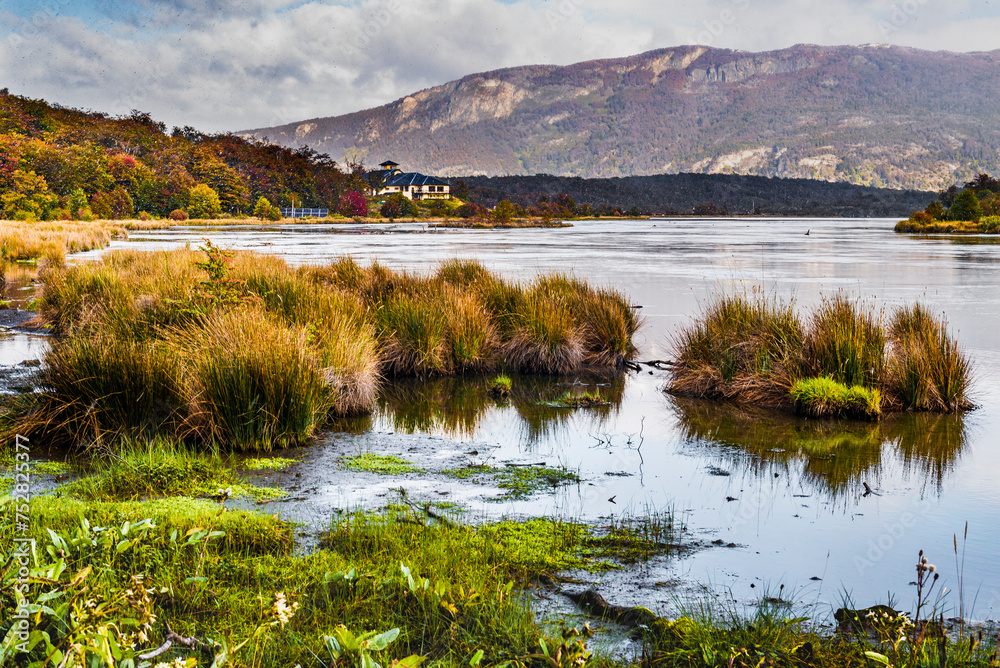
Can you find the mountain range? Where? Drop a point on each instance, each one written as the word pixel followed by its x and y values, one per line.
pixel 872 115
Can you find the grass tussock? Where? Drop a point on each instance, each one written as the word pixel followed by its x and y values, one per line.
pixel 32 241
pixel 842 359
pixel 252 383
pixel 929 372
pixel 244 352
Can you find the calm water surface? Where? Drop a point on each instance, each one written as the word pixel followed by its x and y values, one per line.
pixel 787 492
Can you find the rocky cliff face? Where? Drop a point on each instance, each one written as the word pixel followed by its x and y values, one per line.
pixel 874 115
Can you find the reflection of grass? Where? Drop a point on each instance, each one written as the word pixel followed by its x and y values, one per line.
pixel 837 453
pixel 578 399
pixel 457 406
pixel 381 464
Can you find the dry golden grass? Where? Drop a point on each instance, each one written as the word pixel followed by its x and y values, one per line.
pixel 27 241
pixel 258 330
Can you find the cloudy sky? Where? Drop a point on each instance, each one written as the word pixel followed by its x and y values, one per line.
pixel 222 65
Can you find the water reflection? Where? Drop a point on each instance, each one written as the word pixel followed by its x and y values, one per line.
pixel 458 406
pixel 836 456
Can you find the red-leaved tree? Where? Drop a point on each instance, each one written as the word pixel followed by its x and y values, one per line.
pixel 353 204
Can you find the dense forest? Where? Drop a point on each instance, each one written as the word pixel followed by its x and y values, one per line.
pixel 698 194
pixel 66 163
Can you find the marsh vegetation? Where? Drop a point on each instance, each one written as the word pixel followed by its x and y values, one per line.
pixel 843 359
pixel 246 353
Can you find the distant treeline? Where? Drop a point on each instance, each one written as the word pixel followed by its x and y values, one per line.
pixel 696 194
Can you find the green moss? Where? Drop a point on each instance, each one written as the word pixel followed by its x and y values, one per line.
pixel 520 481
pixel 50 468
pixel 381 464
pixel 6 485
pixel 161 469
pixel 825 397
pixel 268 463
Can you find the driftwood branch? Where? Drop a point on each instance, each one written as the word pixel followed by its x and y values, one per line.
pixel 190 643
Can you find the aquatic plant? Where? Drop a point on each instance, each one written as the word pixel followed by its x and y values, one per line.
pixel 251 383
pixel 846 342
pixel 370 462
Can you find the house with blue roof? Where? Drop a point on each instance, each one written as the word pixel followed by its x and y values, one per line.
pixel 412 185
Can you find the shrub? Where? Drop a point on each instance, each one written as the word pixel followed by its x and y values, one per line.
pixel 178 214
pixel 991 224
pixel 353 204
pixel 262 208
pixel 503 211
pixel 390 209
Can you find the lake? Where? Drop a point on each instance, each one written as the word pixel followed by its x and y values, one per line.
pixel 769 500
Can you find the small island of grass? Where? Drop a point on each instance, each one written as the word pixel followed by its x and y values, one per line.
pixel 843 360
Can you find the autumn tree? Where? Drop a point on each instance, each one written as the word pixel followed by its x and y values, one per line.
pixel 28 198
pixel 504 211
pixel 262 208
pixel 203 202
pixel 353 204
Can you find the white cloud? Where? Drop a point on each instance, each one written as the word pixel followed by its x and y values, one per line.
pixel 228 64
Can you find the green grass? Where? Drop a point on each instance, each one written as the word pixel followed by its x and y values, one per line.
pixel 381 464
pixel 454 591
pixel 159 469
